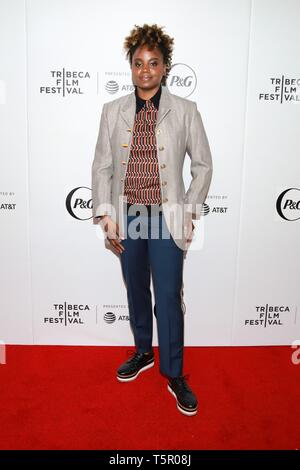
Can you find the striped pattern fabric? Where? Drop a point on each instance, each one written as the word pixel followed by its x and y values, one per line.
pixel 142 184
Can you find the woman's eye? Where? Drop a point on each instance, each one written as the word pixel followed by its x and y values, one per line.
pixel 153 64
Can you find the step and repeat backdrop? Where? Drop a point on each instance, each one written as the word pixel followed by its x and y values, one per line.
pixel 60 61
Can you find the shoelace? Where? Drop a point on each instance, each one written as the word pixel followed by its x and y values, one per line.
pixel 181 382
pixel 134 356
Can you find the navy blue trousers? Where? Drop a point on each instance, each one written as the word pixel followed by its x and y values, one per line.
pixel 151 250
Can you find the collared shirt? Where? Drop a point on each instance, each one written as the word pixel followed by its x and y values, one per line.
pixel 142 182
pixel 142 178
pixel 140 102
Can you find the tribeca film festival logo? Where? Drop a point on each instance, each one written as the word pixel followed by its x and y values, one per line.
pixel 282 90
pixel 269 315
pixel 65 82
pixel 66 314
pixel 288 204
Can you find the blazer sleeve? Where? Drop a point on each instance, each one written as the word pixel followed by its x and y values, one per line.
pixel 199 152
pixel 102 170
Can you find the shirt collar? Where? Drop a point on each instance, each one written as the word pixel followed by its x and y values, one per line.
pixel 140 102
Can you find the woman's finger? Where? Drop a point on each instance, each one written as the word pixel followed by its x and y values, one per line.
pixel 117 245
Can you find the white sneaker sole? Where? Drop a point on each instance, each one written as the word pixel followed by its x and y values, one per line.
pixel 129 379
pixel 185 412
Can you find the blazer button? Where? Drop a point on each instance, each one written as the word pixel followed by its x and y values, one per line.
pixel 161 147
pixel 122 180
pixel 128 130
pixel 163 166
pixel 164 183
pixel 158 131
pixel 165 199
pixel 124 145
pixel 123 163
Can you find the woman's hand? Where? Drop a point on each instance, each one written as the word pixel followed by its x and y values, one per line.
pixel 188 229
pixel 112 233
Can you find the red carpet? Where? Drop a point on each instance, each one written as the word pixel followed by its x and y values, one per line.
pixel 63 397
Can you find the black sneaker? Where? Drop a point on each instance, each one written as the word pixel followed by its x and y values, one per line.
pixel 133 366
pixel 186 400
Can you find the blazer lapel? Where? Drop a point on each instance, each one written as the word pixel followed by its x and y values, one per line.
pixel 128 109
pixel 164 104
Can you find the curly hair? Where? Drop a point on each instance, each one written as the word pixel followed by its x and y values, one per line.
pixel 151 36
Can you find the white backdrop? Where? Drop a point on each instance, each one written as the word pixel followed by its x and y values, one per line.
pixel 60 60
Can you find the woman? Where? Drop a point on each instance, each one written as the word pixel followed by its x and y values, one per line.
pixel 139 196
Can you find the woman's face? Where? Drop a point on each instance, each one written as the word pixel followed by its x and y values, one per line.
pixel 147 68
